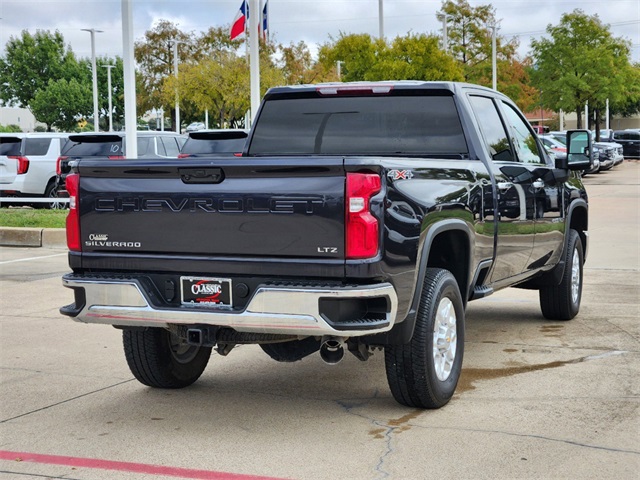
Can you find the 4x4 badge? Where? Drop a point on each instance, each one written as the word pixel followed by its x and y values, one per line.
pixel 400 174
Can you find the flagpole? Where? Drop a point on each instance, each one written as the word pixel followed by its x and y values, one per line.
pixel 254 59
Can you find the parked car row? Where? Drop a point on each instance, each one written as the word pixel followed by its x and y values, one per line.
pixel 607 152
pixel 35 165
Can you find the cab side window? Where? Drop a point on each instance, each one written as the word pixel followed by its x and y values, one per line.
pixel 522 137
pixel 170 146
pixel 493 131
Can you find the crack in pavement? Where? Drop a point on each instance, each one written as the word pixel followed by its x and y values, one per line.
pixel 65 401
pixel 385 430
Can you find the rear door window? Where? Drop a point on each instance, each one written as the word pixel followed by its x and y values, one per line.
pixel 36 146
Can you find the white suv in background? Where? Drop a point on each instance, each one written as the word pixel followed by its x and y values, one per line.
pixel 29 169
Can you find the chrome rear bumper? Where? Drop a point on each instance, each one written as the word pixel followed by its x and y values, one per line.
pixel 272 309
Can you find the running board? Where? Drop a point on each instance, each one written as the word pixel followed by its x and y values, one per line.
pixel 481 291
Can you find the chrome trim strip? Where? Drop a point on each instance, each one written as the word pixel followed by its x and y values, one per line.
pixel 272 309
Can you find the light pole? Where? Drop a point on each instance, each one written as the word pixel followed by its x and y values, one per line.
pixel 175 72
pixel 443 17
pixel 339 63
pixel 381 18
pixel 109 67
pixel 94 73
pixel 494 73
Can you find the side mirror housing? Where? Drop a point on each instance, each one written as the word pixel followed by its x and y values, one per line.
pixel 579 150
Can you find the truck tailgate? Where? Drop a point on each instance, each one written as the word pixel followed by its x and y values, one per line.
pixel 230 206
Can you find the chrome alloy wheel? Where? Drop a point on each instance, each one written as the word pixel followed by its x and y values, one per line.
pixel 445 339
pixel 575 276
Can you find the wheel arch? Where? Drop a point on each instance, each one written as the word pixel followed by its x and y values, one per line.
pixel 443 245
pixel 578 220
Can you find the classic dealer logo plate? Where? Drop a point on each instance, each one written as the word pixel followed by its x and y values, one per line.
pixel 206 291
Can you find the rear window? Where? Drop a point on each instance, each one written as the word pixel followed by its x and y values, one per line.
pixel 10 145
pixel 77 147
pixel 36 146
pixel 626 135
pixel 389 125
pixel 210 142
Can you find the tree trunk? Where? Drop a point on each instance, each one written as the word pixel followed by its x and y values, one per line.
pixel 172 115
pixel 597 126
pixel 579 117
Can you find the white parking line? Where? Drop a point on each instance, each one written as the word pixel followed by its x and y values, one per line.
pixel 33 258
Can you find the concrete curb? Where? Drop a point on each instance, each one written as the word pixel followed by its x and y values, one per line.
pixel 33 237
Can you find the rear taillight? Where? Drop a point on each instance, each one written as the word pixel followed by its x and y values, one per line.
pixel 59 164
pixel 361 235
pixel 73 218
pixel 116 157
pixel 23 164
pixel 183 155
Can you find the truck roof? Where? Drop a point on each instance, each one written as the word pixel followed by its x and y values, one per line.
pixel 381 86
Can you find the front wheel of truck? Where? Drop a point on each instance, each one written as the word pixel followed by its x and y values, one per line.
pixel 424 373
pixel 161 359
pixel 562 302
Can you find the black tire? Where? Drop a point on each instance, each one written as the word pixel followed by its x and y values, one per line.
pixel 291 351
pixel 414 371
pixel 562 302
pixel 157 358
pixel 52 192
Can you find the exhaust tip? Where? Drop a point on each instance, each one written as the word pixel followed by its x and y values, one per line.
pixel 332 352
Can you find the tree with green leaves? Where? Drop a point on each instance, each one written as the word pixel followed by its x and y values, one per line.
pixel 582 62
pixel 298 66
pixel 62 103
pixel 469 42
pixel 31 62
pixel 412 57
pixel 358 53
pixel 154 56
pixel 220 85
pixel 415 57
pixel 117 90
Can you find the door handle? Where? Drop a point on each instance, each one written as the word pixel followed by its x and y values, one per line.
pixel 199 175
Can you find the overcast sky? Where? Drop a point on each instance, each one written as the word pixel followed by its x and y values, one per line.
pixel 313 21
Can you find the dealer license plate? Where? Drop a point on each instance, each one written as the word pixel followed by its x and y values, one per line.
pixel 206 291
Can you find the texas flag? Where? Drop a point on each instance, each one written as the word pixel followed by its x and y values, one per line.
pixel 238 25
pixel 265 21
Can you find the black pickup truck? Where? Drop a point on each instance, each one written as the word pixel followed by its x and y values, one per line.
pixel 360 216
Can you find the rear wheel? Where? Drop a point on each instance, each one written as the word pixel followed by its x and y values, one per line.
pixel 562 302
pixel 424 373
pixel 51 192
pixel 161 359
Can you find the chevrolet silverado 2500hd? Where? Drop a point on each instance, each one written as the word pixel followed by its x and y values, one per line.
pixel 359 216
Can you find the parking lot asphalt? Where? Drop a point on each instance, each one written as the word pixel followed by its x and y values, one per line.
pixel 537 399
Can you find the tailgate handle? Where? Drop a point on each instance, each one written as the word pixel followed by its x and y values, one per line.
pixel 201 175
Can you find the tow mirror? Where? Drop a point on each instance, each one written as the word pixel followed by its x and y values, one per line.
pixel 579 150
